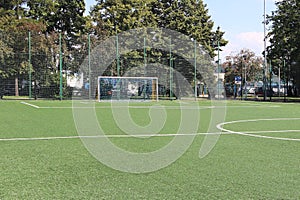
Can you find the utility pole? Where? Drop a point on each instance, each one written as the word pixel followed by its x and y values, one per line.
pixel 265 54
pixel 218 69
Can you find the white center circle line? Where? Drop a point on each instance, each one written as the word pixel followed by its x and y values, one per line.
pixel 220 127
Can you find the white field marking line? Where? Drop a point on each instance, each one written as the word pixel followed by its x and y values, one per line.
pixel 220 127
pixel 279 131
pixel 29 104
pixel 103 107
pixel 246 103
pixel 110 136
pixel 87 102
pixel 185 107
pixel 145 107
pixel 50 107
pixel 133 107
pixel 158 107
pixel 249 106
pixel 64 107
pixel 170 107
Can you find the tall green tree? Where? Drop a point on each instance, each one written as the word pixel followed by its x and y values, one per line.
pixel 285 40
pixel 14 36
pixel 14 28
pixel 44 19
pixel 189 17
pixel 13 7
pixel 65 16
pixel 116 16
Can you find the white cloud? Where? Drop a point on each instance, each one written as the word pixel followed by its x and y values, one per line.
pixel 274 0
pixel 253 41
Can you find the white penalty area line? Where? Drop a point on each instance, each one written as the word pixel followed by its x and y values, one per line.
pixel 110 136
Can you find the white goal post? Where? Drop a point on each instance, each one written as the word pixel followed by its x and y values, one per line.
pixel 127 88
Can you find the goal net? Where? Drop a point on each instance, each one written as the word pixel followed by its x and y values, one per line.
pixel 127 88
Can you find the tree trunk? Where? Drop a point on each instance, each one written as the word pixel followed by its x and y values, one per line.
pixel 16 87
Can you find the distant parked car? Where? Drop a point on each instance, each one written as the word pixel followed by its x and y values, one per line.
pixel 259 91
pixel 278 91
pixel 251 90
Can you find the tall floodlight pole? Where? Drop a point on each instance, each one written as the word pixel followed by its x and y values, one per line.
pixel 270 79
pixel 218 82
pixel 285 88
pixel 29 61
pixel 265 53
pixel 171 71
pixel 117 55
pixel 60 68
pixel 89 63
pixel 195 69
pixel 279 80
pixel 245 76
pixel 145 63
pixel 145 56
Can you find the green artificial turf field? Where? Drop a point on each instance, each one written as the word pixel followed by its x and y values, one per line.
pixel 257 157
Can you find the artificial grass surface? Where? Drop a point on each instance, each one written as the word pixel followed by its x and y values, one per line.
pixel 239 167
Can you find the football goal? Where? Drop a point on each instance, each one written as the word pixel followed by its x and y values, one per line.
pixel 127 88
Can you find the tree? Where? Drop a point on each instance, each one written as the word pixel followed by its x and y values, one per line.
pixel 244 62
pixel 14 31
pixel 189 17
pixel 122 15
pixel 42 18
pixel 285 40
pixel 15 56
pixel 65 16
pixel 13 8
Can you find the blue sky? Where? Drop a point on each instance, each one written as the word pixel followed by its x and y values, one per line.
pixel 240 19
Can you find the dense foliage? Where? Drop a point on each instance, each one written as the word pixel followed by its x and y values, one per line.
pixel 189 17
pixel 40 22
pixel 284 48
pixel 244 63
pixel 29 40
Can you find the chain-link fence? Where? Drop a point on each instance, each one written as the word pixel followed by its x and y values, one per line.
pixel 38 65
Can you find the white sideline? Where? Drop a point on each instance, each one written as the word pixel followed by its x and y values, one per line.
pixel 227 132
pixel 145 107
pixel 109 136
pixel 29 104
